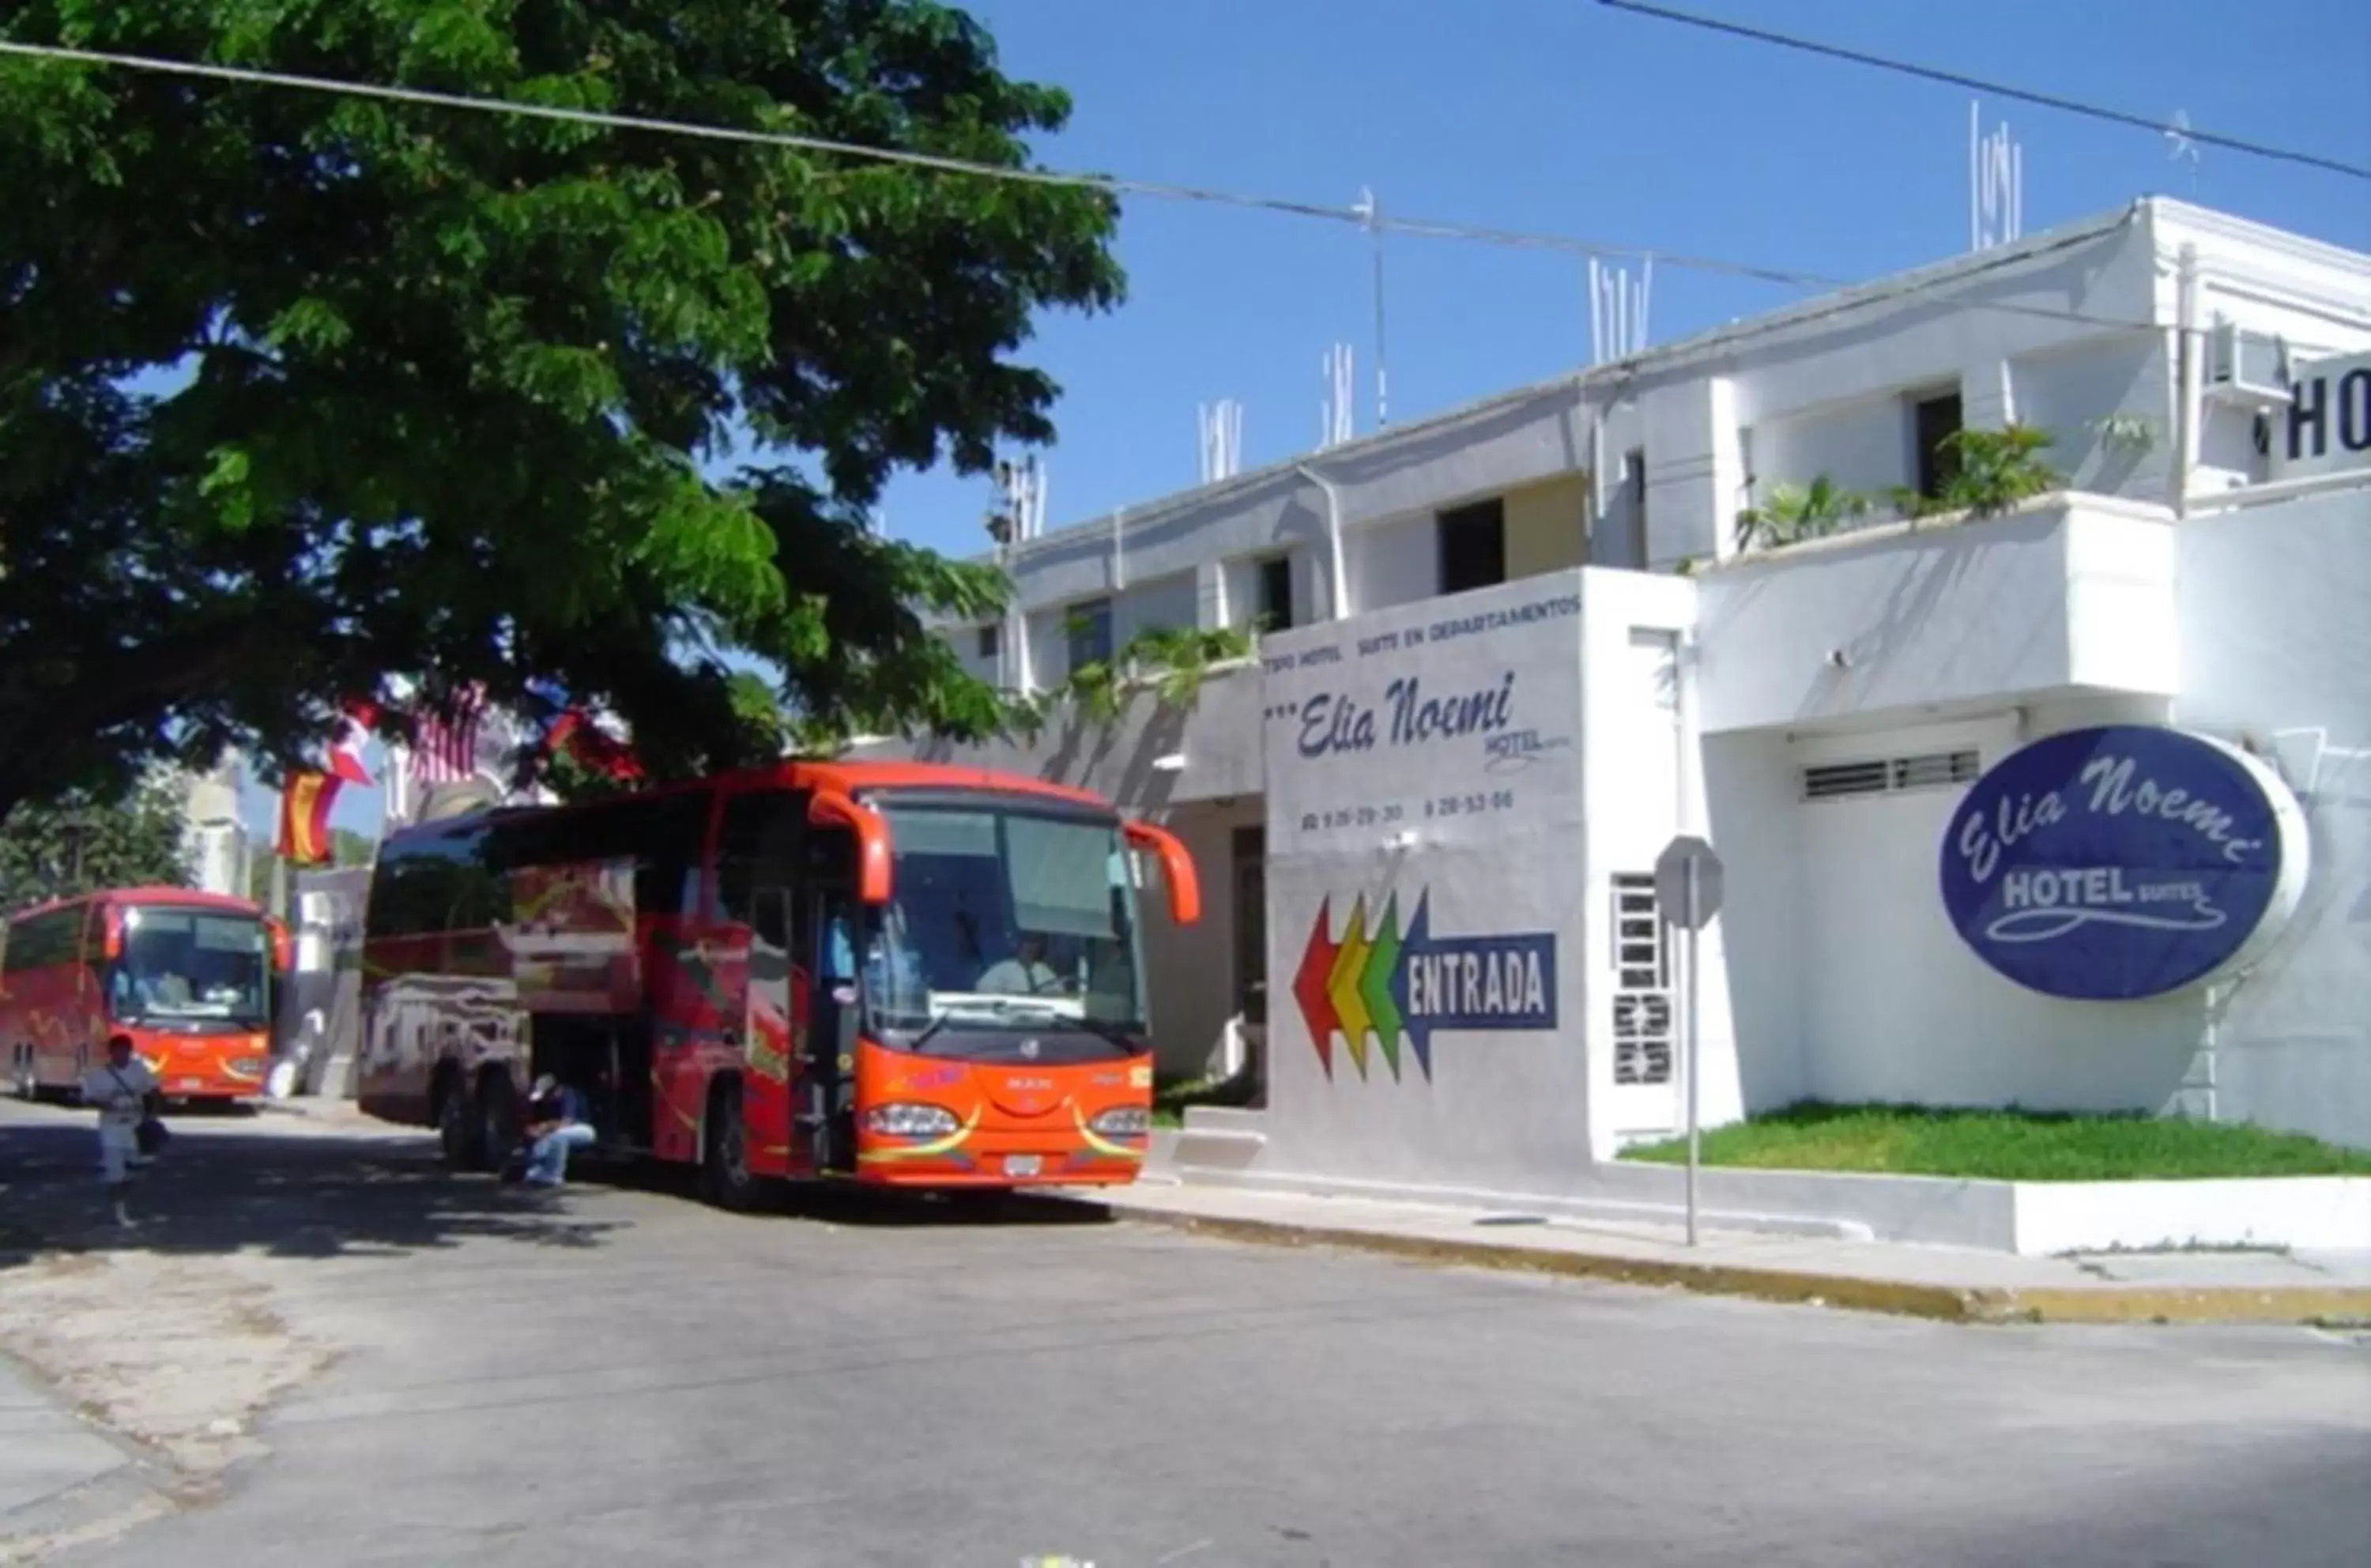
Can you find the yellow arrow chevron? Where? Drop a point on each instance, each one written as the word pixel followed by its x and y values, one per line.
pixel 1342 986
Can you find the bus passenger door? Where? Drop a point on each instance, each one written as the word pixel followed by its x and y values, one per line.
pixel 829 944
pixel 771 1034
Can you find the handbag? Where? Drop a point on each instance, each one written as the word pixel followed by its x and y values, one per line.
pixel 151 1136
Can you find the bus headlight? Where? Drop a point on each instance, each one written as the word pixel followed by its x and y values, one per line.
pixel 1123 1122
pixel 909 1121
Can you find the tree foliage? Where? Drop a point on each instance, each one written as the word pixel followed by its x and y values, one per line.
pixel 300 388
pixel 78 843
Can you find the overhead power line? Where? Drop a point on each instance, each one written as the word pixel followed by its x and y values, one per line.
pixel 1996 89
pixel 1363 216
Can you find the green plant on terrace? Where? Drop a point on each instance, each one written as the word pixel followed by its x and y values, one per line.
pixel 1795 512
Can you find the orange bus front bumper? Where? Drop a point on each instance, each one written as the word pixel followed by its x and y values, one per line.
pixel 219 1067
pixel 1011 1126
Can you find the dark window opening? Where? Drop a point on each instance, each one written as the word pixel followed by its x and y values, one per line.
pixel 987 641
pixel 1275 593
pixel 1934 422
pixel 1089 629
pixel 1473 546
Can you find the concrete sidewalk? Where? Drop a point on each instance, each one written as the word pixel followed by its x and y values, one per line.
pixel 1951 1284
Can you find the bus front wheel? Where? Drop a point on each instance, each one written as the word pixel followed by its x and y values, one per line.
pixel 455 1126
pixel 724 1155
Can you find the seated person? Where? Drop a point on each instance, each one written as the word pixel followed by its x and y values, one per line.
pixel 1026 974
pixel 555 1123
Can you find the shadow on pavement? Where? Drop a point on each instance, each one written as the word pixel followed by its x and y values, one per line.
pixel 228 1184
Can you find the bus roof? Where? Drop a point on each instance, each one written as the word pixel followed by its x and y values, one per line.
pixel 805 773
pixel 186 897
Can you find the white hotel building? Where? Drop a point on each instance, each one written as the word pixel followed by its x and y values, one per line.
pixel 1818 712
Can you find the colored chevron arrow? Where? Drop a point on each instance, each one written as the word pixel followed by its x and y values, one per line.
pixel 1342 986
pixel 1418 940
pixel 1309 985
pixel 1376 981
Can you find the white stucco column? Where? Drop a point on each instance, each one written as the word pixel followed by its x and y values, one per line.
pixel 1696 471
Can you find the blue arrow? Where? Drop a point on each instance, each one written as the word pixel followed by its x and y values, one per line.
pixel 1418 942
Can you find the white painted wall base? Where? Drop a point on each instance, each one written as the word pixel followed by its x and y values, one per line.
pixel 2302 1213
pixel 2030 1218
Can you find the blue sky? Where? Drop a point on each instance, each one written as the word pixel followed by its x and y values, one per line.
pixel 1565 117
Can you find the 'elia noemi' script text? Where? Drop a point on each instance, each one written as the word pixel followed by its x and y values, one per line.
pixel 2113 792
pixel 1336 721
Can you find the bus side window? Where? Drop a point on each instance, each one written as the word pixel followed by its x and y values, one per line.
pixel 762 831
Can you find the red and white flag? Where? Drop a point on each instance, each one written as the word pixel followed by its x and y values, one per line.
pixel 446 750
pixel 346 746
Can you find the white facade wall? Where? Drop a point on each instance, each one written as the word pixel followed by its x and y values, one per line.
pixel 2276 653
pixel 1700 702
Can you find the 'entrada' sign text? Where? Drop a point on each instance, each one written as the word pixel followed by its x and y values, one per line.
pixel 2122 862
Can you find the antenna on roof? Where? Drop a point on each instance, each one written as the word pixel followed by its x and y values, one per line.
pixel 1995 184
pixel 2184 147
pixel 1338 412
pixel 1617 310
pixel 1222 440
pixel 1021 494
pixel 1369 211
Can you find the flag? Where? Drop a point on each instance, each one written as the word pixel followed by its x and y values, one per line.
pixel 447 731
pixel 305 805
pixel 592 746
pixel 584 738
pixel 346 747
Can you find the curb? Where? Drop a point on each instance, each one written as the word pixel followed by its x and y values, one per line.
pixel 2302 1305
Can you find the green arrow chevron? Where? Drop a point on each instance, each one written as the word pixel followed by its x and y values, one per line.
pixel 1375 984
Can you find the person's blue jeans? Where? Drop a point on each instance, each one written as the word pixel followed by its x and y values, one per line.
pixel 546 1163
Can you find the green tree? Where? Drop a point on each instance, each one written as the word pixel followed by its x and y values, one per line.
pixel 80 842
pixel 299 389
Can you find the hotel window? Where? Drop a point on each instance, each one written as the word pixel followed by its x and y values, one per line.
pixel 1934 420
pixel 1274 601
pixel 1473 546
pixel 1088 625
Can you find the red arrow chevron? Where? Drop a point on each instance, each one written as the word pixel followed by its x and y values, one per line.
pixel 1309 985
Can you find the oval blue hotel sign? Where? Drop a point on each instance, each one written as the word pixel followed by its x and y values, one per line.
pixel 2121 863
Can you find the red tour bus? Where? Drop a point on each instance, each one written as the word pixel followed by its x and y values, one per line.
pixel 187 975
pixel 898 973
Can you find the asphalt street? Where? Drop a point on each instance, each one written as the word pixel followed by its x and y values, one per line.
pixel 616 1375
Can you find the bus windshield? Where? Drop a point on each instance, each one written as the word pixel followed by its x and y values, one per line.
pixel 1003 918
pixel 189 968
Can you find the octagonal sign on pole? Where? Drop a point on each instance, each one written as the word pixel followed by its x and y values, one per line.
pixel 1687 882
pixel 1687 892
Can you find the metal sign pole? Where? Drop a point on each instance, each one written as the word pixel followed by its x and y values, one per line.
pixel 1688 891
pixel 1691 1036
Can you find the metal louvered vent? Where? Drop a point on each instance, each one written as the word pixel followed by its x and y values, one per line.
pixel 1886 776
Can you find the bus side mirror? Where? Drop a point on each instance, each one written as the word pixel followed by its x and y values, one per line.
pixel 284 946
pixel 872 840
pixel 1176 869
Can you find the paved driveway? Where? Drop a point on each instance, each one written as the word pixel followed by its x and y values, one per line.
pixel 616 1375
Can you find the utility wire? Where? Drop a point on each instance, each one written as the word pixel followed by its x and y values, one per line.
pixel 2023 95
pixel 1361 216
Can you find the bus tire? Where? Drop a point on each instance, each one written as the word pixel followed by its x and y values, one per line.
pixel 457 1124
pixel 498 1120
pixel 20 1069
pixel 724 1176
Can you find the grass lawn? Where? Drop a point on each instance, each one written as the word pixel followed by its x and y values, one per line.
pixel 1171 1096
pixel 2007 1146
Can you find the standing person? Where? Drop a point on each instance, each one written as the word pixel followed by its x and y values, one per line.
pixel 122 1089
pixel 555 1124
